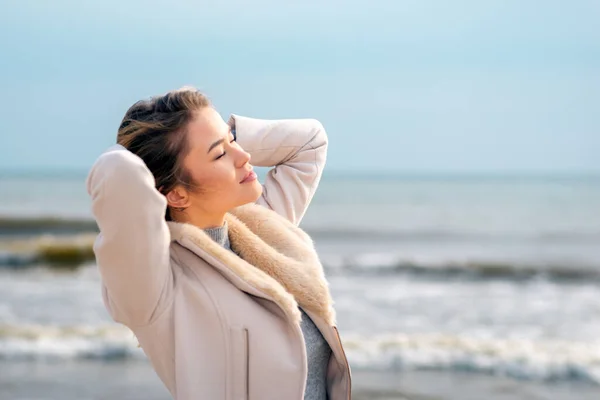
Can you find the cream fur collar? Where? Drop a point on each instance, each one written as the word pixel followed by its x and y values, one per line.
pixel 275 257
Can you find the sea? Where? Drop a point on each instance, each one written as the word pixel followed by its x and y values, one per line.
pixel 446 287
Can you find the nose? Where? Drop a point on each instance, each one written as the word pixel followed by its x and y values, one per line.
pixel 242 159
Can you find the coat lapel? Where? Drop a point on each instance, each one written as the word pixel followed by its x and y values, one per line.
pixel 273 256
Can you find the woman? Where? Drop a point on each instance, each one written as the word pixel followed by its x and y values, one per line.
pixel 223 291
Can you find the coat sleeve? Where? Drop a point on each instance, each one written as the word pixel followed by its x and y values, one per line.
pixel 296 151
pixel 132 249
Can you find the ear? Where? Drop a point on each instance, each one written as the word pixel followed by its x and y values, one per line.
pixel 178 198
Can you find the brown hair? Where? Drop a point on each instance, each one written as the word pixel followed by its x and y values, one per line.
pixel 155 130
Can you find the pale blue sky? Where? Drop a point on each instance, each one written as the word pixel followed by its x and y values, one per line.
pixel 408 86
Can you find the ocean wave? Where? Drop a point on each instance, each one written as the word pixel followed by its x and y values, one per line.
pixel 74 251
pixel 44 225
pixel 48 250
pixel 535 360
pixel 39 225
pixel 390 264
pixel 32 342
pixel 442 235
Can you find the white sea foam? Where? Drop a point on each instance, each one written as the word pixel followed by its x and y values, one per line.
pixel 42 342
pixel 521 359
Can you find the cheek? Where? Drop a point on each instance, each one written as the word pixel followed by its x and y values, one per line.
pixel 217 179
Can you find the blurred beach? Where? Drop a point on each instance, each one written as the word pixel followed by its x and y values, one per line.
pixel 458 220
pixel 445 288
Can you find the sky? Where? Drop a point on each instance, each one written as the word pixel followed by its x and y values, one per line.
pixel 411 86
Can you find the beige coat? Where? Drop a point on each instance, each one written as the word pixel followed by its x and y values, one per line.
pixel 213 324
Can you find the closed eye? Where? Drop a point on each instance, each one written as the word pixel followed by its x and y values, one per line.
pixel 224 153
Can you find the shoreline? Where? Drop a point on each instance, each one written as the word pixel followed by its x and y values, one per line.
pixel 132 380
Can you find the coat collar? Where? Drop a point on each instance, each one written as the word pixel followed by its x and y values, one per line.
pixel 271 255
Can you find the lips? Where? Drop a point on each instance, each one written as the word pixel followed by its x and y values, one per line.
pixel 250 176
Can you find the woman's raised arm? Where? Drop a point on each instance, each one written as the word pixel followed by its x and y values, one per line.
pixel 296 149
pixel 132 249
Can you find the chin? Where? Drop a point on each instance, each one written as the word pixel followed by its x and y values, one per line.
pixel 252 193
pixel 257 189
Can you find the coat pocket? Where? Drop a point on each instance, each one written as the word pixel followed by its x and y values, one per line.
pixel 239 364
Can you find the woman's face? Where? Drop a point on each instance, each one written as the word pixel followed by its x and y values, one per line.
pixel 218 166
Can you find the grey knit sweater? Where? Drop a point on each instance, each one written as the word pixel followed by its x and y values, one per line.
pixel 317 349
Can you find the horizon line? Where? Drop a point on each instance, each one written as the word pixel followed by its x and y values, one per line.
pixel 350 173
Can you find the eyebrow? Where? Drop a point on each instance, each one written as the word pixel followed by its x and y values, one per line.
pixel 217 143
